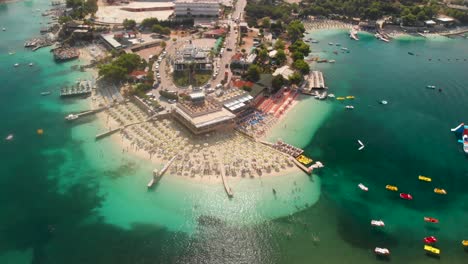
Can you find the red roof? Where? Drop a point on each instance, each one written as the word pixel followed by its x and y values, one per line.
pixel 236 56
pixel 137 73
pixel 241 83
pixel 218 31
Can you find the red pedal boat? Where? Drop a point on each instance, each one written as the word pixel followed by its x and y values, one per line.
pixel 406 196
pixel 431 220
pixel 430 240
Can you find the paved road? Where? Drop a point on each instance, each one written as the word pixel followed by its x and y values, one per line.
pixel 230 43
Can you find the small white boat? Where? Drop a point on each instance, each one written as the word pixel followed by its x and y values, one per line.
pixel 11 53
pixel 377 223
pixel 45 93
pixel 343 48
pixel 431 87
pixel 361 145
pixel 332 61
pixel 16 64
pixel 71 117
pixel 3 29
pixel 382 251
pixel 330 43
pixel 31 64
pixel 363 187
pixel 383 102
pixel 9 137
pixel 331 95
pixel 349 107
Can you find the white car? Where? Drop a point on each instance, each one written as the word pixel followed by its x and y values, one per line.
pixel 219 86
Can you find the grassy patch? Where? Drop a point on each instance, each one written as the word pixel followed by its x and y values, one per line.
pixel 198 78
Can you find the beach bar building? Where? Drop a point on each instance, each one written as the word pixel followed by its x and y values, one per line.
pixel 202 114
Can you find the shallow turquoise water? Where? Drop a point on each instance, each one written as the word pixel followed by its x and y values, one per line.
pixel 68 199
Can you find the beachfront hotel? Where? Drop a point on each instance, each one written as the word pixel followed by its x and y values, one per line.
pixel 202 114
pixel 192 55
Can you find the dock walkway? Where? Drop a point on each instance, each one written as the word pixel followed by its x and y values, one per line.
pixel 157 175
pixel 228 189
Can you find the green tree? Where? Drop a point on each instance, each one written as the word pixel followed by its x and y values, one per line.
pixel 266 22
pixel 409 20
pixel 253 73
pixel 302 66
pixel 295 78
pixel 262 55
pixel 112 72
pixel 161 30
pixel 163 44
pixel 300 46
pixel 295 30
pixel 279 44
pixel 129 24
pixel 277 82
pixel 280 57
pixel 149 22
pixel 297 56
pixel 128 61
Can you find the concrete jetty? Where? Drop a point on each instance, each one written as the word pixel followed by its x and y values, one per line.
pixel 157 174
pixel 108 133
pixel 228 189
pixel 89 112
pixel 312 81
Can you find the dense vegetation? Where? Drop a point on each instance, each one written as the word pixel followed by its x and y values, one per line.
pixel 152 23
pixel 410 11
pixel 81 8
pixel 119 68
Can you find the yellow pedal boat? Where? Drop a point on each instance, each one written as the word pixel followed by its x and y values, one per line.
pixel 431 250
pixel 424 178
pixel 340 98
pixel 440 191
pixel 349 97
pixel 391 188
pixel 465 243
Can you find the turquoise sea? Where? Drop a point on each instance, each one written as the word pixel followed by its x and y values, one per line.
pixel 65 198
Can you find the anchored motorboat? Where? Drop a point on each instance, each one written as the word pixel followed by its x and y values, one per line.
pixel 430 240
pixel 424 178
pixel 16 64
pixel 431 220
pixel 382 251
pixel 377 223
pixel 431 86
pixel 462 131
pixel 363 187
pixel 440 191
pixel 406 196
pixel 9 137
pixel 383 102
pixel 361 145
pixel 45 93
pixel 71 117
pixel 349 107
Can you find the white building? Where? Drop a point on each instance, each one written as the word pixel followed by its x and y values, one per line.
pixel 196 8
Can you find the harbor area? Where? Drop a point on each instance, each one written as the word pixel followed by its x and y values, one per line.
pixel 80 89
pixel 313 82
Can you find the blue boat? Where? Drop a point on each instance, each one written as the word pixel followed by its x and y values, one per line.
pixel 462 131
